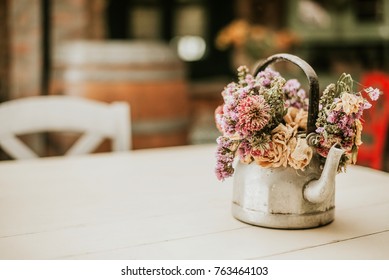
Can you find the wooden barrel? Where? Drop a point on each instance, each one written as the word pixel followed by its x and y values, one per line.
pixel 148 75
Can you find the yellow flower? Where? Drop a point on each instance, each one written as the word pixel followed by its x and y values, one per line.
pixel 350 103
pixel 301 155
pixel 296 118
pixel 234 34
pixel 279 150
pixel 358 133
pixel 286 149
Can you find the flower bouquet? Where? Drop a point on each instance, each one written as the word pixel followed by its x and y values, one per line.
pixel 264 120
pixel 285 145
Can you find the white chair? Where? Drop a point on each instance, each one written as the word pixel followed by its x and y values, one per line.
pixel 94 119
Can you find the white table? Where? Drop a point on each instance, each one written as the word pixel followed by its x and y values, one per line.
pixel 167 204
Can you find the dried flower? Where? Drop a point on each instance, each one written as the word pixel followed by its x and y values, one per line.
pixel 264 118
pixel 253 115
pixel 278 153
pixel 295 96
pixel 373 93
pixel 225 157
pixel 349 103
pixel 301 155
pixel 339 120
pixel 358 133
pixel 296 118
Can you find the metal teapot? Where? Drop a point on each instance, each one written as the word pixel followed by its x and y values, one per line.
pixel 284 197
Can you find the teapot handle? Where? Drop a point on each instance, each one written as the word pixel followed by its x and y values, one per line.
pixel 313 107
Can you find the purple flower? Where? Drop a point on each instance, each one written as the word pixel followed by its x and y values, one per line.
pixel 301 93
pixel 227 124
pixel 243 92
pixel 292 85
pixel 358 114
pixel 250 80
pixel 225 154
pixel 295 95
pixel 333 117
pixel 244 151
pixel 224 167
pixel 267 76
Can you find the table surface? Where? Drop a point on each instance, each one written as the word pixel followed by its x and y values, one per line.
pixel 167 204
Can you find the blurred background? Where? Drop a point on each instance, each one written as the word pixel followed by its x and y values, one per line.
pixel 170 59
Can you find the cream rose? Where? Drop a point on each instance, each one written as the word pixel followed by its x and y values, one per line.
pixel 358 134
pixel 296 118
pixel 301 155
pixel 350 103
pixel 277 154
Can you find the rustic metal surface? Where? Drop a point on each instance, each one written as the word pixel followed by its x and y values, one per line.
pixel 285 197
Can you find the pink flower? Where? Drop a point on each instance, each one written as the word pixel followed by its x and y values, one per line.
pixel 224 158
pixel 373 93
pixel 366 105
pixel 218 114
pixel 333 116
pixel 349 103
pixel 244 152
pixel 295 95
pixel 292 86
pixel 253 115
pixel 267 76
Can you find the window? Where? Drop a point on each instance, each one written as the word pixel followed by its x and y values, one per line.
pixel 189 26
pixel 369 11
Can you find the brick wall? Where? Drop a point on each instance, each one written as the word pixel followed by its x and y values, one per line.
pixel 70 20
pixel 25 48
pixel 73 20
pixel 77 19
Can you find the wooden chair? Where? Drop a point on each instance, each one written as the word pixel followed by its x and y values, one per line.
pixel 94 119
pixel 373 151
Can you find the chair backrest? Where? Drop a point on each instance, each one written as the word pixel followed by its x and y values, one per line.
pixel 95 120
pixel 376 123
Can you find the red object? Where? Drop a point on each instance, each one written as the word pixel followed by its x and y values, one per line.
pixel 376 121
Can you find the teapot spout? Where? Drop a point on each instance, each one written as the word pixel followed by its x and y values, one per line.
pixel 318 191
